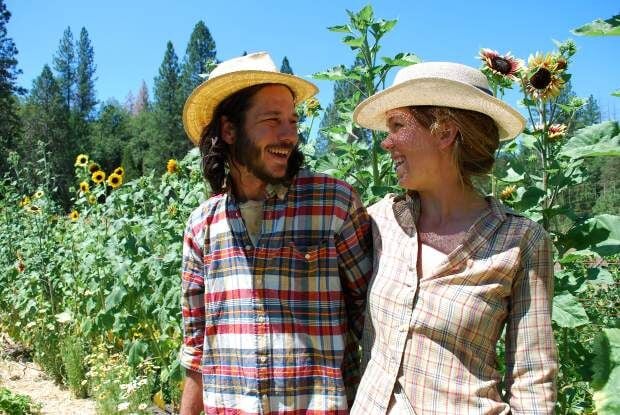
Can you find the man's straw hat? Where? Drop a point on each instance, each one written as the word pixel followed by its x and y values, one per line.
pixel 442 84
pixel 232 76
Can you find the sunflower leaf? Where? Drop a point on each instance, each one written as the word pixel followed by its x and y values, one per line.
pixel 599 27
pixel 616 93
pixel 594 141
pixel 568 312
pixel 606 365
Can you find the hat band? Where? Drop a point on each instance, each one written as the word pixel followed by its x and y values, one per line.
pixel 486 91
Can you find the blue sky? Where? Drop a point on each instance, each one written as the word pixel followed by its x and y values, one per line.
pixel 129 37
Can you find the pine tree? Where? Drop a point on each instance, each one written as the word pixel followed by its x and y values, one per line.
pixel 65 66
pixel 170 140
pixel 286 67
pixel 46 129
pixel 199 56
pixel 9 119
pixel 85 100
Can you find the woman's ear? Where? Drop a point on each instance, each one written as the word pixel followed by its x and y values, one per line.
pixel 228 130
pixel 447 135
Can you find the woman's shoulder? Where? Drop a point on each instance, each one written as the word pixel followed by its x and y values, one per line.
pixel 518 224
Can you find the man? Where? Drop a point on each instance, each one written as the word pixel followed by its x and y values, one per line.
pixel 275 264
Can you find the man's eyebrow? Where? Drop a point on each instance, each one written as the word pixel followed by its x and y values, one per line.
pixel 274 113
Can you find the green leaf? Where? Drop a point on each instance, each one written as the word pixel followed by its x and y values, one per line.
pixel 402 59
pixel 568 312
pixel 594 141
pixel 616 93
pixel 606 365
pixel 340 29
pixel 136 353
pixel 336 73
pixel 600 27
pixel 601 231
pixel 353 42
pixel 512 176
pixel 115 297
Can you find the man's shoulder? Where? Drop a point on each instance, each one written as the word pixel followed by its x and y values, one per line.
pixel 207 210
pixel 308 179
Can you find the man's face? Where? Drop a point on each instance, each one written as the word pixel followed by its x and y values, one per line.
pixel 269 134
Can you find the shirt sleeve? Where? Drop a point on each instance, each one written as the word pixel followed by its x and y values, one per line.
pixel 531 357
pixel 192 297
pixel 354 246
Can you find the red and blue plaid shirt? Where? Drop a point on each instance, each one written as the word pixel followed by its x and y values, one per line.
pixel 275 328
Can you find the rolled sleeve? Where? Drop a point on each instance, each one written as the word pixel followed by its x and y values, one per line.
pixel 192 298
pixel 531 356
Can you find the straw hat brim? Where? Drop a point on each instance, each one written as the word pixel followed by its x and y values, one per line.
pixel 440 92
pixel 201 104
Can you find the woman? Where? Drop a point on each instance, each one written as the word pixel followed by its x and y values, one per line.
pixel 452 268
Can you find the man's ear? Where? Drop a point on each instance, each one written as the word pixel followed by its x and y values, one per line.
pixel 228 130
pixel 447 135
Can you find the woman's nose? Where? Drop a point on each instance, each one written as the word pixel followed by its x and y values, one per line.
pixel 387 143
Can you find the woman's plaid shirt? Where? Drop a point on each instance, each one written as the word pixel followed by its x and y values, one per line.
pixel 436 337
pixel 275 328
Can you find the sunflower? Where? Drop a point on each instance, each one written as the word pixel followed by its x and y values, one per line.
pixel 503 65
pixel 172 166
pixel 74 215
pixel 508 192
pixel 312 107
pixel 24 202
pixel 115 180
pixel 93 167
pixel 84 187
pixel 32 209
pixel 81 160
pixel 556 132
pixel 21 267
pixel 38 194
pixel 120 171
pixel 98 176
pixel 543 79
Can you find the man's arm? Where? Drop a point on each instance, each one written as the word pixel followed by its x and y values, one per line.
pixel 191 401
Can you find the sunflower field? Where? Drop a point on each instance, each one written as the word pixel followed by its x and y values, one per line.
pixel 94 291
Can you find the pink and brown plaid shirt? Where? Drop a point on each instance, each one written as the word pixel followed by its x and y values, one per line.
pixel 436 338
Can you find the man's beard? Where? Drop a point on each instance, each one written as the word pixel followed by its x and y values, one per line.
pixel 247 154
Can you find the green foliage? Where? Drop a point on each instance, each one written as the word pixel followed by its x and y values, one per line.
pixel 349 148
pixel 17 404
pixel 199 56
pixel 285 67
pixel 600 27
pixel 74 361
pixel 606 381
pixel 65 65
pixel 85 99
pixel 594 141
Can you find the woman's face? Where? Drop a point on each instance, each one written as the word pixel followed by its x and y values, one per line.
pixel 414 150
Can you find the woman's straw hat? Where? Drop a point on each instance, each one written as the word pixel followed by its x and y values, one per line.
pixel 232 76
pixel 442 84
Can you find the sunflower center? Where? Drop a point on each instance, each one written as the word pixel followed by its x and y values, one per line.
pixel 501 65
pixel 541 79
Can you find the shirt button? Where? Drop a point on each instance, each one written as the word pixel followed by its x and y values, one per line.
pixel 403 328
pixel 307 256
pixel 260 319
pixel 411 269
pixel 248 247
pixel 263 359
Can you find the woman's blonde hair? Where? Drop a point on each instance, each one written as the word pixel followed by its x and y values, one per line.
pixel 476 142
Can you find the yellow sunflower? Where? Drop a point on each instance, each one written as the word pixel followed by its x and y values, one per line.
pixel 115 180
pixel 24 202
pixel 172 166
pixel 81 160
pixel 508 192
pixel 32 209
pixel 38 194
pixel 543 79
pixel 84 187
pixel 312 107
pixel 98 176
pixel 94 167
pixel 74 215
pixel 120 171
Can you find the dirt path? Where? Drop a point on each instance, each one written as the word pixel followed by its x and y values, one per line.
pixel 26 378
